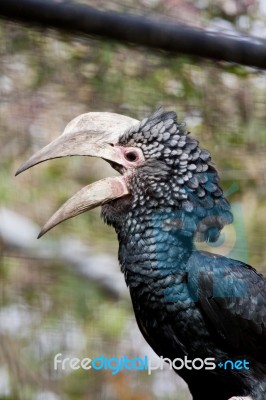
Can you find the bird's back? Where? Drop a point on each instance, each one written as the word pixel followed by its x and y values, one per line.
pixel 214 307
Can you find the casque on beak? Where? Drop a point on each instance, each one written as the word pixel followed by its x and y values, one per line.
pixel 95 135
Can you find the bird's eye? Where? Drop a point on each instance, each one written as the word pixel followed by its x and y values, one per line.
pixel 131 156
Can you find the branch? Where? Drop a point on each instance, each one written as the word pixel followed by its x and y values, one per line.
pixel 176 38
pixel 20 234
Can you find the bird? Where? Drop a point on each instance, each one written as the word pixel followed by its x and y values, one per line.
pixel 189 304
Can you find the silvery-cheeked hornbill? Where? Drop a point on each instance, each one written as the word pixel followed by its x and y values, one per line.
pixel 188 303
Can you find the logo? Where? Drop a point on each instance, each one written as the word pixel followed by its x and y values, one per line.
pixel 176 232
pixel 115 365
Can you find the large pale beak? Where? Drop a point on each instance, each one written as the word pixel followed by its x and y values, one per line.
pixel 91 134
pixel 86 199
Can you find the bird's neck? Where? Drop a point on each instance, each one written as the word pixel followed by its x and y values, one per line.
pixel 150 247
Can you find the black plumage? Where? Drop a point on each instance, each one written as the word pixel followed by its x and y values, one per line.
pixel 187 303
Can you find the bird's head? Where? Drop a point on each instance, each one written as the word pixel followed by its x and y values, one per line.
pixel 163 171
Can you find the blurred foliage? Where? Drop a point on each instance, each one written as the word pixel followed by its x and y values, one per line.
pixel 46 79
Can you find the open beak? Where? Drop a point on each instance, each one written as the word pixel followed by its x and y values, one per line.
pixel 91 134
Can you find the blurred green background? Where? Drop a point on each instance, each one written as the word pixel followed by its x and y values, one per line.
pixel 64 293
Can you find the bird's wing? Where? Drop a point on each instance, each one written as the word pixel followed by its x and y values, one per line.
pixel 232 297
